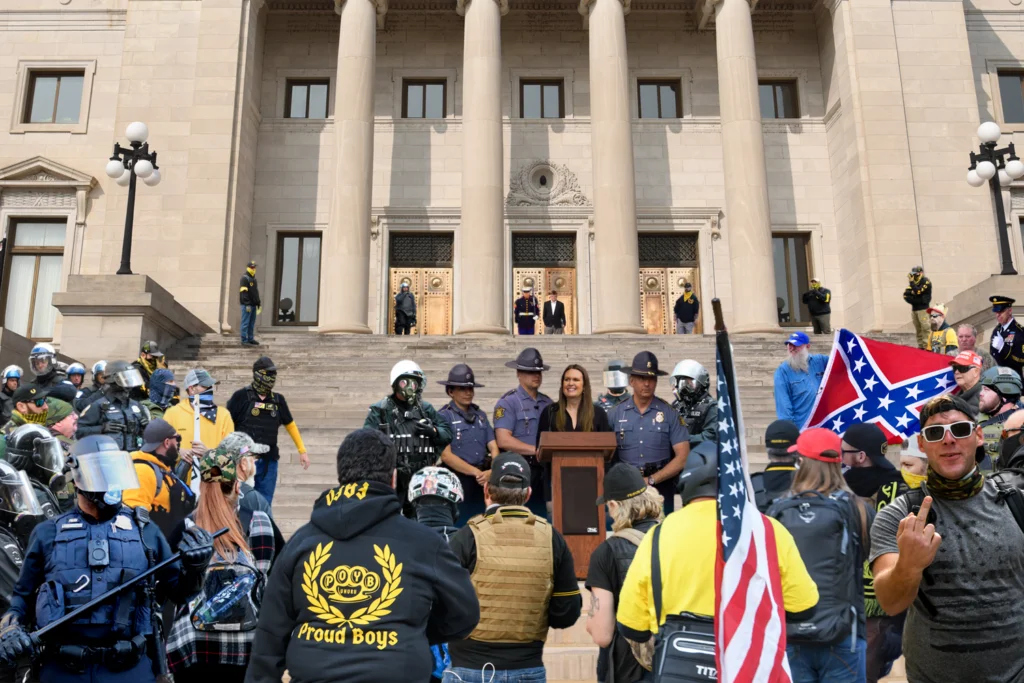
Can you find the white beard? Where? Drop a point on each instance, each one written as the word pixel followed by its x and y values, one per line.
pixel 801 360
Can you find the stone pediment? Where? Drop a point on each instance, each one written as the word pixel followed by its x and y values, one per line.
pixel 43 172
pixel 542 183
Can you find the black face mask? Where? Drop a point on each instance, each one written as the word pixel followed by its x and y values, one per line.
pixel 23 525
pixel 104 509
pixel 1010 445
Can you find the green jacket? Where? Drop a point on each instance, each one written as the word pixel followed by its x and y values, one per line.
pixel 392 414
pixel 155 411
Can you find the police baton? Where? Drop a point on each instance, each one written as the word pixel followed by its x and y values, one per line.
pixel 113 592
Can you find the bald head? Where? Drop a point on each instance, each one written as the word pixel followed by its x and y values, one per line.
pixel 1015 421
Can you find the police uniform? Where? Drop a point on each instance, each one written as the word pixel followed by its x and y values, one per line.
pixel 526 310
pixel 701 418
pixel 1007 344
pixel 125 411
pixel 471 432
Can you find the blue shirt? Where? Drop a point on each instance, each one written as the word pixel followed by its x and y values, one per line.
pixel 795 391
pixel 647 438
pixel 469 436
pixel 517 412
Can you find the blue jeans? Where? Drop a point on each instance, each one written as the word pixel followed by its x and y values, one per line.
pixel 265 480
pixel 458 674
pixel 828 663
pixel 248 323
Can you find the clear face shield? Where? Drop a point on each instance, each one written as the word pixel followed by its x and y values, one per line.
pixel 49 456
pixel 16 494
pixel 41 364
pixel 128 379
pixel 104 472
pixel 616 379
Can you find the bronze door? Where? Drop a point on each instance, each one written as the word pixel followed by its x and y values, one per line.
pixel 676 278
pixel 659 289
pixel 543 281
pixel 432 288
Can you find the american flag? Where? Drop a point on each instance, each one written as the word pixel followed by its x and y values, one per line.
pixel 750 621
pixel 873 381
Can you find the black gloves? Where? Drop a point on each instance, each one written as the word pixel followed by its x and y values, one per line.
pixel 115 427
pixel 425 427
pixel 16 644
pixel 196 549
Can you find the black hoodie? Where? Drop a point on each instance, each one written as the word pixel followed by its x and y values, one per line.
pixel 359 594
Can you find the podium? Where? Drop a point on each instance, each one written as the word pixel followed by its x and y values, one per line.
pixel 577 480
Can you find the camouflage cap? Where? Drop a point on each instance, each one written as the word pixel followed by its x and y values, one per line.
pixel 219 465
pixel 239 443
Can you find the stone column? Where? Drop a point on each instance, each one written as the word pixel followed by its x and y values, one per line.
pixel 345 273
pixel 748 223
pixel 616 258
pixel 480 240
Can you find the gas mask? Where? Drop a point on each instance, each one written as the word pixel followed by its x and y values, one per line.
pixel 263 382
pixel 685 387
pixel 407 388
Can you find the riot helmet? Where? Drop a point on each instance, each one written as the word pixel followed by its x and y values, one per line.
pixel 614 376
pixel 40 359
pixel 123 374
pixel 32 448
pixel 12 372
pixel 99 372
pixel 689 379
pixel 699 479
pixel 19 506
pixel 76 369
pixel 101 471
pixel 407 379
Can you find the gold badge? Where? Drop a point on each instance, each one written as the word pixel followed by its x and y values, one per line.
pixel 499 413
pixel 255 412
pixel 660 417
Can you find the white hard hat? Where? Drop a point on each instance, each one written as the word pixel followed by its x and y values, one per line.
pixel 407 368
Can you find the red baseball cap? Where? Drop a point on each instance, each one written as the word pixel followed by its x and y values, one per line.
pixel 968 358
pixel 814 442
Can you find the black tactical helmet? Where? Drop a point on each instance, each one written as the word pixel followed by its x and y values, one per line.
pixel 123 374
pixel 21 444
pixel 699 478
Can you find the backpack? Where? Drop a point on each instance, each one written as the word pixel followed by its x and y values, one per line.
pixel 828 531
pixel 230 596
pixel 763 497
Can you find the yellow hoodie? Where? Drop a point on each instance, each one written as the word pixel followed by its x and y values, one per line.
pixel 181 418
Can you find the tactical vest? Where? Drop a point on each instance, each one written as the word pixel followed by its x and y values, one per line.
pixel 992 431
pixel 86 561
pixel 513 576
pixel 262 417
pixel 132 415
pixel 696 414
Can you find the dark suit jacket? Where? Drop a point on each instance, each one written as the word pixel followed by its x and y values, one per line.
pixel 556 319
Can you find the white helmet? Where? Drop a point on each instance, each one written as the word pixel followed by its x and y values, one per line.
pixel 76 369
pixel 42 355
pixel 435 481
pixel 689 378
pixel 407 368
pixel 12 372
pixel 99 367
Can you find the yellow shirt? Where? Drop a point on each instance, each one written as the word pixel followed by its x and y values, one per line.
pixel 181 418
pixel 687 548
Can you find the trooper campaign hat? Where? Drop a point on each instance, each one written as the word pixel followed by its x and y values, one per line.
pixel 528 360
pixel 460 376
pixel 1001 303
pixel 645 364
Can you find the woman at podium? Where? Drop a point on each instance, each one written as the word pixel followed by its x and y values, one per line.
pixel 575 410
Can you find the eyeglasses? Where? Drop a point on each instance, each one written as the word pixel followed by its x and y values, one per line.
pixel 959 430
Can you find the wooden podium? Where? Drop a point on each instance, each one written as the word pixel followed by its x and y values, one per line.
pixel 577 480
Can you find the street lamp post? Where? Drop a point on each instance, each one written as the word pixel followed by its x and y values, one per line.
pixel 127 164
pixel 999 167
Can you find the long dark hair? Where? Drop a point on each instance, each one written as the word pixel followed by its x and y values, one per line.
pixel 585 413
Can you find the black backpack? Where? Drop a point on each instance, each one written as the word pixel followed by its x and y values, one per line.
pixel 828 532
pixel 763 496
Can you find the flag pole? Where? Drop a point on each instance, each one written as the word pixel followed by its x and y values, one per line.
pixel 724 349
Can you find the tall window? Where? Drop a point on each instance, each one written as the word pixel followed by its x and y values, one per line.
pixel 33 275
pixel 298 279
pixel 424 99
pixel 791 256
pixel 54 97
pixel 659 99
pixel 306 99
pixel 1011 93
pixel 778 99
pixel 541 99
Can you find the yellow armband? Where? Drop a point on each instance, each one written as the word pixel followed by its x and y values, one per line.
pixel 293 431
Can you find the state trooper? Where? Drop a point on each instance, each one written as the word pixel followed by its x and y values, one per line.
pixel 617 383
pixel 80 555
pixel 690 384
pixel 116 414
pixel 473 445
pixel 92 393
pixel 517 419
pixel 32 449
pixel 42 361
pixel 419 434
pixel 651 435
pixel 999 398
pixel 11 381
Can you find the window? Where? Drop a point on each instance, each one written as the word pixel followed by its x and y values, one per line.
pixel 659 99
pixel 778 99
pixel 790 254
pixel 33 275
pixel 54 97
pixel 1011 94
pixel 306 99
pixel 424 99
pixel 541 99
pixel 298 279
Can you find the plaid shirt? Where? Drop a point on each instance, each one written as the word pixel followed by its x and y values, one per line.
pixel 187 646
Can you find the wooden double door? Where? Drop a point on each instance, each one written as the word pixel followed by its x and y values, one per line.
pixel 432 288
pixel 659 289
pixel 545 280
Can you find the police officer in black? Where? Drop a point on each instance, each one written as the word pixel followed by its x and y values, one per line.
pixel 117 414
pixel 690 384
pixel 49 373
pixel 526 311
pixel 83 553
pixel 616 381
pixel 416 429
pixel 19 515
pixel 32 449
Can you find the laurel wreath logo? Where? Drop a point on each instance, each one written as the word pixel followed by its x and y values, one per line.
pixel 318 604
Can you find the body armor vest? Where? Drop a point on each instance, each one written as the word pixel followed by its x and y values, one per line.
pixel 262 422
pixel 87 560
pixel 512 577
pixel 695 414
pixel 131 414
